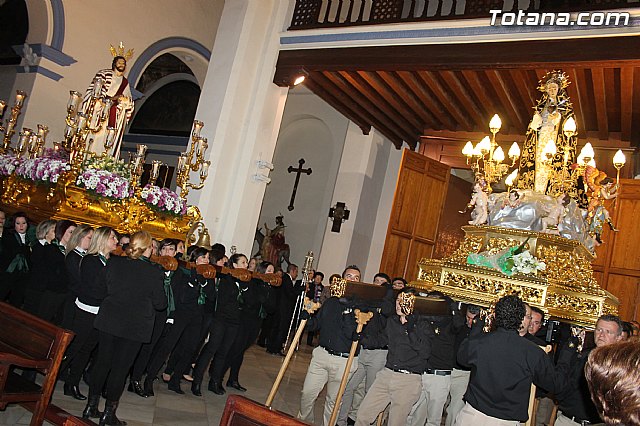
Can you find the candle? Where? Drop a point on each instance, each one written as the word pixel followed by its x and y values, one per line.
pixel 108 102
pixel 204 172
pixel 97 87
pixel 20 95
pixel 182 161
pixel 42 131
pixel 74 99
pixel 23 141
pixel 3 105
pixel 197 126
pixel 155 169
pixel 82 120
pixel 96 114
pixel 110 138
pixel 199 145
pixel 69 129
pixel 142 150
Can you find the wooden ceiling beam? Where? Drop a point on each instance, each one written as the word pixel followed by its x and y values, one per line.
pixel 416 105
pixel 577 100
pixel 626 102
pixel 379 108
pixel 504 97
pixel 489 101
pixel 392 98
pixel 523 88
pixel 465 97
pixel 600 100
pixel 430 79
pixel 429 102
pixel 635 119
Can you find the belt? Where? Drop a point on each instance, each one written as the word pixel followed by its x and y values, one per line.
pixel 577 420
pixel 334 353
pixel 438 372
pixel 398 370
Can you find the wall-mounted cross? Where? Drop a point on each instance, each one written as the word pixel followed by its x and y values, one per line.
pixel 297 170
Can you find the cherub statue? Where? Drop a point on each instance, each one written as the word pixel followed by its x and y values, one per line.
pixel 513 200
pixel 599 188
pixel 555 214
pixel 479 201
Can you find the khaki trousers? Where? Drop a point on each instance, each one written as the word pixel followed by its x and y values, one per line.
pixel 370 361
pixel 323 369
pixel 469 416
pixel 398 389
pixel 459 383
pixel 428 409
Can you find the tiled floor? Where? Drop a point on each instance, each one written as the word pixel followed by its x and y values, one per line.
pixel 168 408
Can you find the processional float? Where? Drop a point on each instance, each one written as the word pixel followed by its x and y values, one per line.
pixel 80 181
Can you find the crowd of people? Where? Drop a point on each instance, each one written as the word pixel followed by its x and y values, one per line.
pixel 135 322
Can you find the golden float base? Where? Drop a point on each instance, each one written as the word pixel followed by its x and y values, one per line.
pixel 566 289
pixel 64 200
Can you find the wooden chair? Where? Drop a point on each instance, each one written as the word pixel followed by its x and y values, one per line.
pixel 28 342
pixel 241 411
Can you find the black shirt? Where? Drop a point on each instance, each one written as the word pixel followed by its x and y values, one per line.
pixel 503 367
pixel 229 298
pixel 409 344
pixel 575 399
pixel 187 286
pixel 337 323
pixel 443 356
pixel 374 334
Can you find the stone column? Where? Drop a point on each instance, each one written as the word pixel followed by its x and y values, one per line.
pixel 242 110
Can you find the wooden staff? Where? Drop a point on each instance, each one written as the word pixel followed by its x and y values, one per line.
pixel 532 396
pixel 310 307
pixel 361 318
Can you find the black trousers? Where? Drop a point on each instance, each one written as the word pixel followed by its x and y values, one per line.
pixel 114 360
pixel 146 351
pixel 52 306
pixel 182 350
pixel 185 324
pixel 279 333
pixel 221 336
pixel 79 351
pixel 247 335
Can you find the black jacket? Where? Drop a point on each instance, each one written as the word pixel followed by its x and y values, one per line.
pixel 72 263
pixel 135 292
pixel 229 299
pixel 409 343
pixel 56 279
pixel 91 291
pixel 11 247
pixel 337 324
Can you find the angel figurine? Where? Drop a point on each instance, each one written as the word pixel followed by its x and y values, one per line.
pixel 480 202
pixel 599 188
pixel 554 215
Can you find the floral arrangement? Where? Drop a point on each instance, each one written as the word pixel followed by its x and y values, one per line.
pixel 42 169
pixel 526 263
pixel 105 183
pixel 109 164
pixel 163 200
pixel 8 164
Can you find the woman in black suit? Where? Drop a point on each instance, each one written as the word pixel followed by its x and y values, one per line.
pixel 45 234
pixel 77 248
pixel 223 330
pixel 258 299
pixel 15 261
pixel 89 295
pixel 125 320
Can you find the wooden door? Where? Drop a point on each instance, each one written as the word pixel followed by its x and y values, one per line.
pixel 417 206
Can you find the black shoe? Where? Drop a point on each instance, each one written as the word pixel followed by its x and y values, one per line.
pixel 74 391
pixel 350 421
pixel 195 388
pixel 236 385
pixel 175 387
pixel 148 387
pixel 216 387
pixel 91 410
pixel 109 415
pixel 136 386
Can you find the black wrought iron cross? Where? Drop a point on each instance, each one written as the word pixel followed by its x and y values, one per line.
pixel 339 213
pixel 297 170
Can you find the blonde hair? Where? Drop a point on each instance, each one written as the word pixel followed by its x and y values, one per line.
pixel 99 240
pixel 139 243
pixel 78 234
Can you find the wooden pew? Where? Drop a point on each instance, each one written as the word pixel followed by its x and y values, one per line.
pixel 29 342
pixel 241 411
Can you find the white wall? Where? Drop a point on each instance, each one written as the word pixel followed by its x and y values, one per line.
pixel 312 130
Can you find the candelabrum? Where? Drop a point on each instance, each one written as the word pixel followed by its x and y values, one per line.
pixel 192 160
pixel 136 167
pixel 486 158
pixel 81 125
pixel 155 171
pixel 10 127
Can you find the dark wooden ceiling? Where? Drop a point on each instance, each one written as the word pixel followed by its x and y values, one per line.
pixel 409 91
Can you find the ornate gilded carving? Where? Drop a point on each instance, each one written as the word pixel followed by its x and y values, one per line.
pixel 471 244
